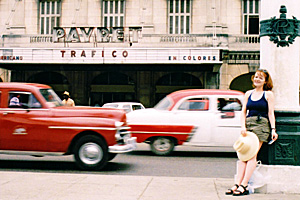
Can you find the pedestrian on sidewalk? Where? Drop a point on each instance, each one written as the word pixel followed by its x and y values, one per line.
pixel 67 99
pixel 257 117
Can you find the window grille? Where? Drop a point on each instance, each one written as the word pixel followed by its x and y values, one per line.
pixel 251 10
pixel 113 13
pixel 49 13
pixel 179 16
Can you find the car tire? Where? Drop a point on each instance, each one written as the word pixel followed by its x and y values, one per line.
pixel 162 146
pixel 111 156
pixel 91 153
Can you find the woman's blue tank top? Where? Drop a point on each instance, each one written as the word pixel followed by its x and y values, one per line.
pixel 259 107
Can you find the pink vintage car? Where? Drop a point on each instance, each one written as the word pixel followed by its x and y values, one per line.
pixel 207 118
pixel 33 121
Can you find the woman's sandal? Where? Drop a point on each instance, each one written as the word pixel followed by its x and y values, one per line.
pixel 238 192
pixel 230 191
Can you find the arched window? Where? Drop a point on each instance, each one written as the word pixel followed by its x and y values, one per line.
pixel 175 81
pixel 179 79
pixel 57 81
pixel 48 78
pixel 242 83
pixel 112 78
pixel 112 87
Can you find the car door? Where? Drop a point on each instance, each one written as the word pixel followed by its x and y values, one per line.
pixel 21 128
pixel 196 111
pixel 227 120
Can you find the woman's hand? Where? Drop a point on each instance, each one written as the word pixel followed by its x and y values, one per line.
pixel 274 135
pixel 244 132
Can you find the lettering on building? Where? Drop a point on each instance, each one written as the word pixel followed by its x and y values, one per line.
pixel 194 58
pixel 96 34
pixel 93 53
pixel 11 57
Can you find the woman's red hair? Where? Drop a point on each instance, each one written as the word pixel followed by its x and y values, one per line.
pixel 268 80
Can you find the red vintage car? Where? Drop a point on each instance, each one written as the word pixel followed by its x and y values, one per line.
pixel 206 118
pixel 33 121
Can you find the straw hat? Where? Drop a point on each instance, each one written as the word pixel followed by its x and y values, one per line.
pixel 67 93
pixel 246 147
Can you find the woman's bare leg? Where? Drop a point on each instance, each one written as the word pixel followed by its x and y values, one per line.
pixel 251 165
pixel 241 169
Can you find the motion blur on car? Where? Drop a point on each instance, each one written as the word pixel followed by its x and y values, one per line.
pixel 207 118
pixel 126 106
pixel 33 121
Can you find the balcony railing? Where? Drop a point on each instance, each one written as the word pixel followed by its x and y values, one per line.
pixel 235 42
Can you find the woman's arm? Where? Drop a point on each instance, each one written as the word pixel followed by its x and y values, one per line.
pixel 271 115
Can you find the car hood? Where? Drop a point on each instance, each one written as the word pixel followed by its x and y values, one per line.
pixel 145 115
pixel 85 111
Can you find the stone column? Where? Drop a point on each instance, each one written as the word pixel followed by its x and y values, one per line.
pixel 283 65
pixel 281 62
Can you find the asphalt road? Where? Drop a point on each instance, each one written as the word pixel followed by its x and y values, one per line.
pixel 184 162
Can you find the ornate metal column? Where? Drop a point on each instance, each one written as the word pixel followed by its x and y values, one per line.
pixel 281 31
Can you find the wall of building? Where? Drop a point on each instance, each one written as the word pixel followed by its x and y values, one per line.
pixel 20 28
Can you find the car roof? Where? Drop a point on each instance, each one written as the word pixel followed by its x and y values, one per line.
pixel 122 103
pixel 193 92
pixel 19 85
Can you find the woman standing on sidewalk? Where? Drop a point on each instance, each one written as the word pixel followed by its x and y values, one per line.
pixel 257 117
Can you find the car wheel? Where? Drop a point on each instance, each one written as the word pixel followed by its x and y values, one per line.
pixel 111 156
pixel 162 146
pixel 90 153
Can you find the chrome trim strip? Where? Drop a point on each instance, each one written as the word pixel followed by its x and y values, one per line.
pixel 124 128
pixel 130 145
pixel 82 128
pixel 16 133
pixel 229 126
pixel 31 153
pixel 148 132
pixel 24 109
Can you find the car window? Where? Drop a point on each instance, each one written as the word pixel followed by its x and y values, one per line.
pixel 33 102
pixel 164 104
pixel 110 106
pixel 195 104
pixel 136 107
pixel 126 108
pixel 18 99
pixel 51 97
pixel 227 104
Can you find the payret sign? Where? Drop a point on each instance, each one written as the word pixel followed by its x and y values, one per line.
pixel 101 34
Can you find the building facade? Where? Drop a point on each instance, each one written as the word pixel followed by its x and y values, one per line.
pixel 129 50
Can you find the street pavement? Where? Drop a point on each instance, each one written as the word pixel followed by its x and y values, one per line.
pixel 87 186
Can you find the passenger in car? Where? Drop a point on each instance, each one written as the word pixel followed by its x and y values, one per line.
pixel 15 101
pixel 222 103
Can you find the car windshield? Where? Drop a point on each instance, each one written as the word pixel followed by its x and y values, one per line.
pixel 51 97
pixel 164 104
pixel 110 106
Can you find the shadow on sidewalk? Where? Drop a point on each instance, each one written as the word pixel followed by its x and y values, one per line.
pixel 57 166
pixel 188 154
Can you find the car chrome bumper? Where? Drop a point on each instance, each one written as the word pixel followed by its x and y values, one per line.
pixel 129 146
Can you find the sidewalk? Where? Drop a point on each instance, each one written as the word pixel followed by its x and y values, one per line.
pixel 61 186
